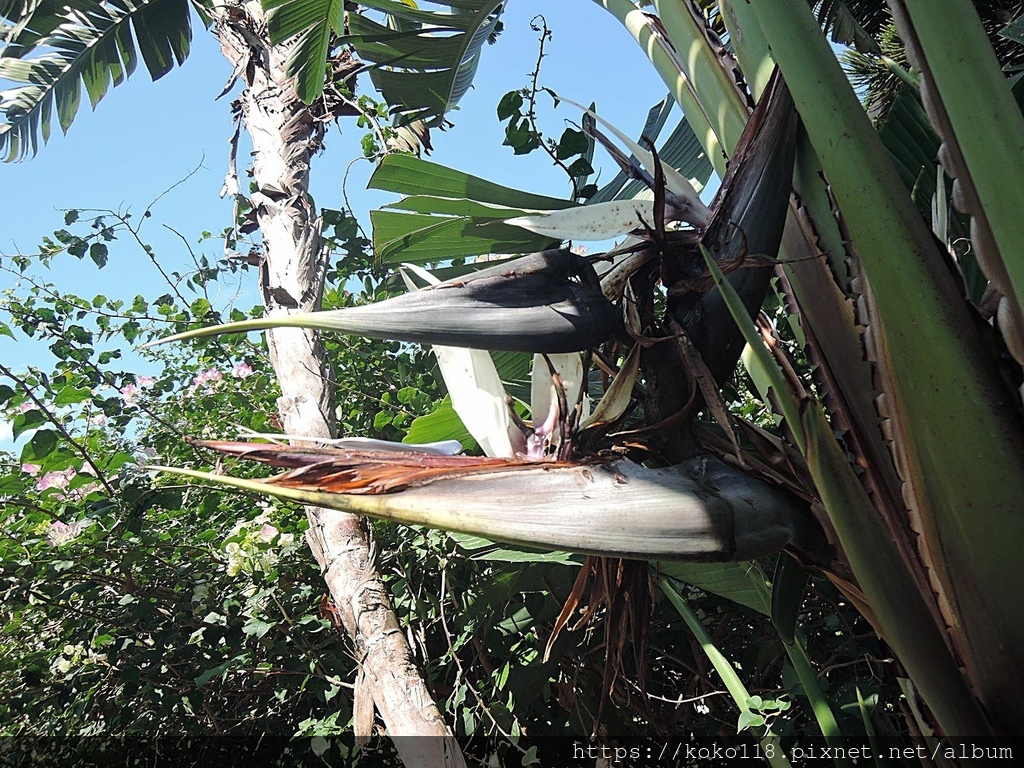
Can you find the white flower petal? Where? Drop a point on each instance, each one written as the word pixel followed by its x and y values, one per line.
pixel 478 396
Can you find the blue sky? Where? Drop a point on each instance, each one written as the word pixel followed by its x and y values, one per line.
pixel 145 137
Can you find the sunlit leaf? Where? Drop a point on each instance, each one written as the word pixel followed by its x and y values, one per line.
pixel 601 221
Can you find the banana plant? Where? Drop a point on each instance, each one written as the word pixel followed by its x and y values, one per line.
pixel 442 48
pixel 911 457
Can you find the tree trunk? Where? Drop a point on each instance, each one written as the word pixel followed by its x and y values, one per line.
pixel 284 135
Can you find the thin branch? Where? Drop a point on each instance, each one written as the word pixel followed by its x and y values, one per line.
pixel 371 118
pixel 192 255
pixel 52 418
pixel 446 589
pixel 178 183
pixel 152 257
pixel 344 195
pixel 79 303
pixel 535 88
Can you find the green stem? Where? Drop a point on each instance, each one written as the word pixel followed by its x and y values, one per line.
pixel 770 746
pixel 984 115
pixel 899 609
pixel 785 597
pixel 667 65
pixel 703 67
pixel 823 713
pixel 748 44
pixel 959 433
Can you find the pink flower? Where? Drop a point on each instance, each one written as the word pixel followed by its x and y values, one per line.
pixel 30 469
pixel 83 492
pixel 268 532
pixel 61 479
pixel 28 405
pixel 210 374
pixel 204 380
pixel 98 420
pixel 242 371
pixel 62 533
pixel 145 381
pixel 129 392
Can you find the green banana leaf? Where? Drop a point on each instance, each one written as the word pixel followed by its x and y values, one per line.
pixel 427 64
pixel 52 51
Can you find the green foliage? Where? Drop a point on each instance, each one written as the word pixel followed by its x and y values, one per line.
pixel 183 619
pixel 424 61
pixel 519 134
pixel 141 616
pixel 314 25
pixel 522 134
pixel 449 214
pixel 54 50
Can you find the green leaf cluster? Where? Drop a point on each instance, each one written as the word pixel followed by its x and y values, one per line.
pixel 54 50
pixel 141 615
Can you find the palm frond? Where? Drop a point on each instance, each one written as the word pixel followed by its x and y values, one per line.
pixel 880 75
pixel 54 50
pixel 425 61
pixel 854 22
pixel 26 21
pixel 313 23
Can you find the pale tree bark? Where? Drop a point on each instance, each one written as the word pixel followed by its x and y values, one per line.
pixel 284 134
